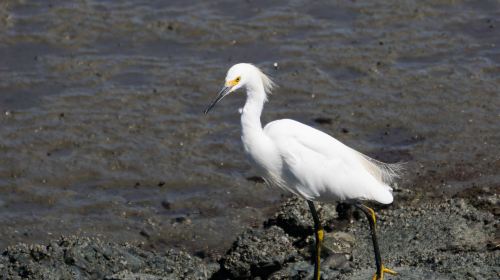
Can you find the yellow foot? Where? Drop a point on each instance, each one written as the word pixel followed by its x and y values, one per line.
pixel 384 270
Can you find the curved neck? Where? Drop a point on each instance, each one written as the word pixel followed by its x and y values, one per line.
pixel 250 116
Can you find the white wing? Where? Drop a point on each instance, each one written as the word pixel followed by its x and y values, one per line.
pixel 319 167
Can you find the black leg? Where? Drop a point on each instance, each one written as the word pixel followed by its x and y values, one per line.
pixel 319 234
pixel 370 214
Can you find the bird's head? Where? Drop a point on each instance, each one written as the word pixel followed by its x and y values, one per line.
pixel 242 75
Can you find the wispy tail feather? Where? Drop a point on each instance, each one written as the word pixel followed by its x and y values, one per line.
pixel 386 173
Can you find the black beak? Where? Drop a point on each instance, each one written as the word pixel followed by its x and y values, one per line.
pixel 223 92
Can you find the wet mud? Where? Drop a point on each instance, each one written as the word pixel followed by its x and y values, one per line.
pixel 448 239
pixel 428 240
pixel 102 133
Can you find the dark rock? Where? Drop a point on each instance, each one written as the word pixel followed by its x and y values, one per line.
pixel 259 252
pixel 295 217
pixel 345 211
pixel 323 120
pixel 336 261
pixel 167 205
pixel 256 179
pixel 91 258
pixel 201 254
pixel 296 270
pixel 430 240
pixel 449 239
pixel 338 243
pixel 182 219
pixel 145 233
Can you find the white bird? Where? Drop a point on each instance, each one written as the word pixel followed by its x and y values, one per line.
pixel 306 161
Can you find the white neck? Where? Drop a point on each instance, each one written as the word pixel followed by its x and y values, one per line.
pixel 250 116
pixel 256 143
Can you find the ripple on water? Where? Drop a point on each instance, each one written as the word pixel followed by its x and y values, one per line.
pixel 102 102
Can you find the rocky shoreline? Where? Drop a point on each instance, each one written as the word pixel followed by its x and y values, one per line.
pixel 456 238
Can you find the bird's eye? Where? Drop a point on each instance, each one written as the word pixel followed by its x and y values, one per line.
pixel 238 79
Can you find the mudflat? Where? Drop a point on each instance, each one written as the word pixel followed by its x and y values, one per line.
pixel 102 133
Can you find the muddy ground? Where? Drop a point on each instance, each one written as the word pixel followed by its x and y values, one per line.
pixel 102 132
pixel 102 136
pixel 447 239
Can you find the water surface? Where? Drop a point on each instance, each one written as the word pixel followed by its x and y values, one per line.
pixel 102 132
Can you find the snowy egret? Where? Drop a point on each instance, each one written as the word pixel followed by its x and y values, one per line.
pixel 306 161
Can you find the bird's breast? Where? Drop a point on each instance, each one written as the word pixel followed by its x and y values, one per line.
pixel 262 154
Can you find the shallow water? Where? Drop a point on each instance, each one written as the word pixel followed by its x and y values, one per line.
pixel 102 132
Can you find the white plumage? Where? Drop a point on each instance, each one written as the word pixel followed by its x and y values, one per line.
pixel 318 167
pixel 306 161
pixel 302 159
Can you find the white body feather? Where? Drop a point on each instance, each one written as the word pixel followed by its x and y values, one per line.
pixel 318 167
pixel 304 160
